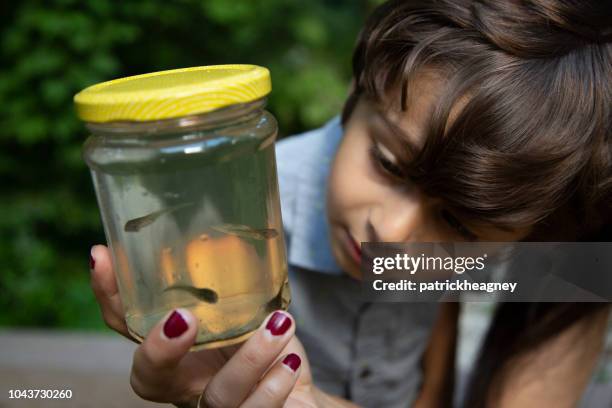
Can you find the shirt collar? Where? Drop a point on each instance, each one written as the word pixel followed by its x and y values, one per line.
pixel 310 245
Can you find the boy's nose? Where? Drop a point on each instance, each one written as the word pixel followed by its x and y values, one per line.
pixel 402 220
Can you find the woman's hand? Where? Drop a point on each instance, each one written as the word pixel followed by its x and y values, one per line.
pixel 269 369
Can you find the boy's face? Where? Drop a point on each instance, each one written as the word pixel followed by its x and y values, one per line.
pixel 366 203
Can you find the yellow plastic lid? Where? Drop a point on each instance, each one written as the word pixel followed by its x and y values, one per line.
pixel 173 93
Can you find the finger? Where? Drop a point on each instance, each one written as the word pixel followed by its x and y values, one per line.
pixel 104 285
pixel 234 382
pixel 275 387
pixel 157 358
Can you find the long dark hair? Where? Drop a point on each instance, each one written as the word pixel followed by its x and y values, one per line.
pixel 521 135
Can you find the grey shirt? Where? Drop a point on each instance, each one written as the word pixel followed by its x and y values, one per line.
pixel 368 352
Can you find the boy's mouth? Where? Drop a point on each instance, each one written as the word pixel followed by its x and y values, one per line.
pixel 352 247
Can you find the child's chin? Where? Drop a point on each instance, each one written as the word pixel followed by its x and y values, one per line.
pixel 351 269
pixel 344 262
pixel 354 273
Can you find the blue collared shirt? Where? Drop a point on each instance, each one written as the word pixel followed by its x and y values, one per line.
pixel 367 352
pixel 303 163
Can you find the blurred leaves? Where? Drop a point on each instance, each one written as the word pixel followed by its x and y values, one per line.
pixel 49 51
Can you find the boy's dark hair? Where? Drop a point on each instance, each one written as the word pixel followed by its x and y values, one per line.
pixel 531 144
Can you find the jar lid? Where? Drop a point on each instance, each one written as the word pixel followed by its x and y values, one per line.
pixel 173 93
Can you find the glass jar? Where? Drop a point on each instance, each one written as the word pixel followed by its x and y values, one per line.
pixel 183 166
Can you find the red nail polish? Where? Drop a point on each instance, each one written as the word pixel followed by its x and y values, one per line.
pixel 92 262
pixel 175 325
pixel 278 324
pixel 292 361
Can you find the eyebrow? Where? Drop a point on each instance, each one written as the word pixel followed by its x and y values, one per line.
pixel 403 142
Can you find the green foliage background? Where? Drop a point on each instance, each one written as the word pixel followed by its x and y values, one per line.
pixel 50 50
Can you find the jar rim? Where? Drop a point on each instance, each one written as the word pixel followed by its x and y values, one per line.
pixel 227 115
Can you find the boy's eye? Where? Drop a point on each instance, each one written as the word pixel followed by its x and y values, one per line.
pixel 458 226
pixel 385 162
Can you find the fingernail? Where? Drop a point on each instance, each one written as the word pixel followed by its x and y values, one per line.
pixel 292 361
pixel 175 325
pixel 92 261
pixel 278 324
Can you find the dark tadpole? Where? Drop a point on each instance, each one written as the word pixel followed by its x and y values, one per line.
pixel 203 294
pixel 135 224
pixel 244 231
